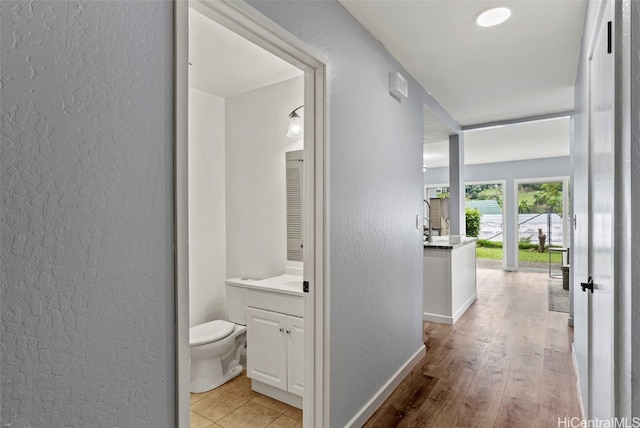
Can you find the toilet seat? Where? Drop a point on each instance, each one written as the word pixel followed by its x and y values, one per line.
pixel 211 331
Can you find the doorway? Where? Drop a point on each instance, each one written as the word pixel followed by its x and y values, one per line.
pixel 542 225
pixel 484 203
pixel 486 199
pixel 250 25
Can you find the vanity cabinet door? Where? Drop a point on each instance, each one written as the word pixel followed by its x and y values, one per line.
pixel 267 347
pixel 295 355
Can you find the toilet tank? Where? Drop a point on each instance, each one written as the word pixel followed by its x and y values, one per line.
pixel 237 299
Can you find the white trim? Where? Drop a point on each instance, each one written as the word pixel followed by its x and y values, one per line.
pixel 255 27
pixel 181 214
pixel 574 358
pixel 470 301
pixel 446 319
pixel 564 179
pixel 277 393
pixel 528 119
pixel 504 216
pixel 383 393
pixel 566 214
pixel 515 240
pixel 440 319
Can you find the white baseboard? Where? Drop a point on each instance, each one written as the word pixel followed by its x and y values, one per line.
pixel 575 369
pixel 277 393
pixel 441 319
pixel 464 307
pixel 376 401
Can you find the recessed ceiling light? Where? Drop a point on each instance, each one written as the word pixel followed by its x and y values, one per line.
pixel 492 17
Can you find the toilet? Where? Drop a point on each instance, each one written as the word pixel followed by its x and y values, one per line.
pixel 216 346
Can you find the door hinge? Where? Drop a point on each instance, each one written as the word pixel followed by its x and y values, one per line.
pixel 305 286
pixel 609 38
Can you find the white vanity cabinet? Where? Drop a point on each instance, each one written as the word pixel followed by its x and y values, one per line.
pixel 295 355
pixel 267 347
pixel 275 345
pixel 276 351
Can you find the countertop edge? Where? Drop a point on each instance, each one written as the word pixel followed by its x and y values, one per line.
pixel 448 246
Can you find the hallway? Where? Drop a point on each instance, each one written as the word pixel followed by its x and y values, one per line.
pixel 506 362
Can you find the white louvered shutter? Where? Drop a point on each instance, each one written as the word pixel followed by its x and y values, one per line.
pixel 294 205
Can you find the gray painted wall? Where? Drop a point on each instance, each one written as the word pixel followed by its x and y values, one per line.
pixel 531 168
pixel 375 160
pixel 632 29
pixel 86 301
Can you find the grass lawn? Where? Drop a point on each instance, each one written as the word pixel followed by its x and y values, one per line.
pixel 524 255
pixel 530 197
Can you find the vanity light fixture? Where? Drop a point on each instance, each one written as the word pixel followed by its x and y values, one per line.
pixel 295 124
pixel 494 16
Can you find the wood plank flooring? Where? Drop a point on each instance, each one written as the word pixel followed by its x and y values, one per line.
pixel 506 363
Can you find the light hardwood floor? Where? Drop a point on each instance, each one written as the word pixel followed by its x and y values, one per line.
pixel 506 363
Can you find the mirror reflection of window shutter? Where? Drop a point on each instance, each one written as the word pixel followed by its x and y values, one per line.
pixel 435 215
pixel 294 205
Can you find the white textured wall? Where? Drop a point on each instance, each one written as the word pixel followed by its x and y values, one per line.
pixel 86 301
pixel 375 160
pixel 207 228
pixel 256 124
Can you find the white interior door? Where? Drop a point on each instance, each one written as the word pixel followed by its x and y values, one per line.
pixel 601 207
pixel 580 267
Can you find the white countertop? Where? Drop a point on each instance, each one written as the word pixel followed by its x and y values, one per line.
pixel 284 284
pixel 442 243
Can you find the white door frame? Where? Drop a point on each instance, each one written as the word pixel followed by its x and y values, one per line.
pixel 502 183
pixel 564 179
pixel 597 392
pixel 255 27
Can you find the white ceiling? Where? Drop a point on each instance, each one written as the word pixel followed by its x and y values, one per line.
pixel 531 140
pixel 225 64
pixel 523 67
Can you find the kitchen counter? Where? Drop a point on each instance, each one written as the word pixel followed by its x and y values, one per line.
pixel 442 242
pixel 449 279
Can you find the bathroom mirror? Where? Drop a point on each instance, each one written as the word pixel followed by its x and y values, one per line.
pixel 294 161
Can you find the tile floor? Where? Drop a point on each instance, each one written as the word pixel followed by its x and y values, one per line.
pixel 235 405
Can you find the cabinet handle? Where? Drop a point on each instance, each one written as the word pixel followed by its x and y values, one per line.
pixel 281 329
pixel 288 331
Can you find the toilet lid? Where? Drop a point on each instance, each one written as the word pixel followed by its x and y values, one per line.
pixel 210 332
